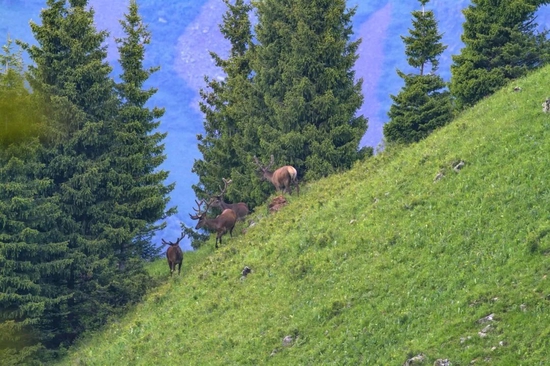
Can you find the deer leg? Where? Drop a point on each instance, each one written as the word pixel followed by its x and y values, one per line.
pixel 179 268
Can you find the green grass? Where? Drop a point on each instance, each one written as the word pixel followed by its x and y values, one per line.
pixel 375 265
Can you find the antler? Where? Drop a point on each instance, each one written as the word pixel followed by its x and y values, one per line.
pixel 198 209
pixel 164 242
pixel 258 162
pixel 199 204
pixel 262 167
pixel 181 237
pixel 226 182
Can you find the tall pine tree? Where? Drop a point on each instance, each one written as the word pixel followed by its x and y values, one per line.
pixel 30 245
pixel 141 195
pixel 306 96
pixel 292 95
pixel 500 44
pixel 72 73
pixel 224 104
pixel 423 104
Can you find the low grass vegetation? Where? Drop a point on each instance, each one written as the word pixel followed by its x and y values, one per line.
pixel 400 256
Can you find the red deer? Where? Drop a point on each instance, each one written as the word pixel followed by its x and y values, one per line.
pixel 222 224
pixel 282 178
pixel 174 255
pixel 241 208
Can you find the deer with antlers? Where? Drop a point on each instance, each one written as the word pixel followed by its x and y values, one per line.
pixel 241 208
pixel 174 255
pixel 222 224
pixel 282 178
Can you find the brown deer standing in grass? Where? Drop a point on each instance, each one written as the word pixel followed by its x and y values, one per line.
pixel 241 208
pixel 282 178
pixel 174 255
pixel 222 224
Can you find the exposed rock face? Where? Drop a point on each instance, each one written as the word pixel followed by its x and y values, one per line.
pixel 245 272
pixel 416 360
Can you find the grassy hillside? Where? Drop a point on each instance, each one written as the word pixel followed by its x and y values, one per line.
pixel 376 265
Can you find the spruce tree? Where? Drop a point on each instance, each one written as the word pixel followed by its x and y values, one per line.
pixel 423 104
pixel 30 245
pixel 224 104
pixel 306 96
pixel 141 195
pixel 500 44
pixel 72 74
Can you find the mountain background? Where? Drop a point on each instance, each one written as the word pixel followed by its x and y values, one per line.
pixel 185 31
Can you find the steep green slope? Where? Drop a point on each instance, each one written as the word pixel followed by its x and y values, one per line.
pixel 376 265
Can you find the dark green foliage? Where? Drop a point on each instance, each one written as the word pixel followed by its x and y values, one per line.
pixel 100 165
pixel 424 45
pixel 306 96
pixel 225 142
pixel 30 244
pixel 197 239
pixel 501 44
pixel 71 72
pixel 141 197
pixel 292 95
pixel 31 250
pixel 419 108
pixel 422 105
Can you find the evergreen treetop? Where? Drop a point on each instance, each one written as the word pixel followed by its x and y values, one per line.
pixel 306 93
pixel 423 104
pixel 142 197
pixel 500 44
pixel 225 144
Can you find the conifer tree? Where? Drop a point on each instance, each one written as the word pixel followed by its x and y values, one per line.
pixel 500 44
pixel 71 72
pixel 224 104
pixel 30 246
pixel 306 95
pixel 422 105
pixel 141 196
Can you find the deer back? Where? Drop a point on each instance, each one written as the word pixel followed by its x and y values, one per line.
pixel 283 176
pixel 241 208
pixel 292 172
pixel 222 222
pixel 227 219
pixel 174 254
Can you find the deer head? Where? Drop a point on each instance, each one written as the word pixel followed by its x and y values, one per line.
pixel 241 208
pixel 222 224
